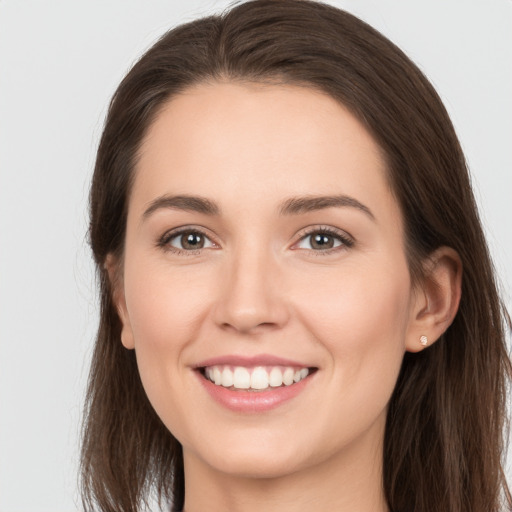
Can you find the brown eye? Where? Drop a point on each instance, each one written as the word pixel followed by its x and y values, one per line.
pixel 191 240
pixel 322 241
pixel 186 241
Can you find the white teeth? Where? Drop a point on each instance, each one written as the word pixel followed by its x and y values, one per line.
pixel 288 376
pixel 275 378
pixel 227 378
pixel 241 378
pixel 258 378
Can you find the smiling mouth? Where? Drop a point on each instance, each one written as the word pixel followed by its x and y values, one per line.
pixel 258 378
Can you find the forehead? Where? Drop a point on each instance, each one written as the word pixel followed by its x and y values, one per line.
pixel 255 142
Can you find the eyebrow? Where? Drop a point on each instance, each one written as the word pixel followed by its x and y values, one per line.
pixel 298 205
pixel 292 206
pixel 183 202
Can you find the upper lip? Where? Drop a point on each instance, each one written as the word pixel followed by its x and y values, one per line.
pixel 250 361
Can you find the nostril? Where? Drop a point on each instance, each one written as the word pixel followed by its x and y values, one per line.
pixel 247 325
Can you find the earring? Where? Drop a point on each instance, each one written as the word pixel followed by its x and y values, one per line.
pixel 423 340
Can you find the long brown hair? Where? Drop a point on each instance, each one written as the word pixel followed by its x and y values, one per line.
pixel 444 436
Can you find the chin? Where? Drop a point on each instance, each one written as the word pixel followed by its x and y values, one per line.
pixel 260 466
pixel 262 458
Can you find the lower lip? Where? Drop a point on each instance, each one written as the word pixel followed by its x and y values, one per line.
pixel 253 401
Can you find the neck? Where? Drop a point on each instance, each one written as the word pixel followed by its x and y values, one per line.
pixel 351 481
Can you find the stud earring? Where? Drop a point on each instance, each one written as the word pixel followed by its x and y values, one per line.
pixel 423 340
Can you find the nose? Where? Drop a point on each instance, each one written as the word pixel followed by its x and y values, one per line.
pixel 252 297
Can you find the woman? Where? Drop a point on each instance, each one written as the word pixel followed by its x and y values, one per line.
pixel 298 308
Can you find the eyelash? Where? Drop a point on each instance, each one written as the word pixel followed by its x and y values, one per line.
pixel 165 239
pixel 346 241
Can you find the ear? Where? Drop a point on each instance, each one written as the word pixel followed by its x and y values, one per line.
pixel 113 268
pixel 437 299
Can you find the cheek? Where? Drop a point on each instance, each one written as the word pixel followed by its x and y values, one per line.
pixel 357 301
pixel 361 318
pixel 164 307
pixel 165 315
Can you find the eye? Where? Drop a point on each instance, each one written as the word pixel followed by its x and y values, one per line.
pixel 323 239
pixel 185 240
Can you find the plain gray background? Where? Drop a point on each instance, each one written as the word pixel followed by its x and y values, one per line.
pixel 60 62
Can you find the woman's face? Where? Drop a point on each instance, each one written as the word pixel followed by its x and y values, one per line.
pixel 263 247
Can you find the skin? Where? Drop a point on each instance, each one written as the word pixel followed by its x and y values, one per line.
pixel 259 286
